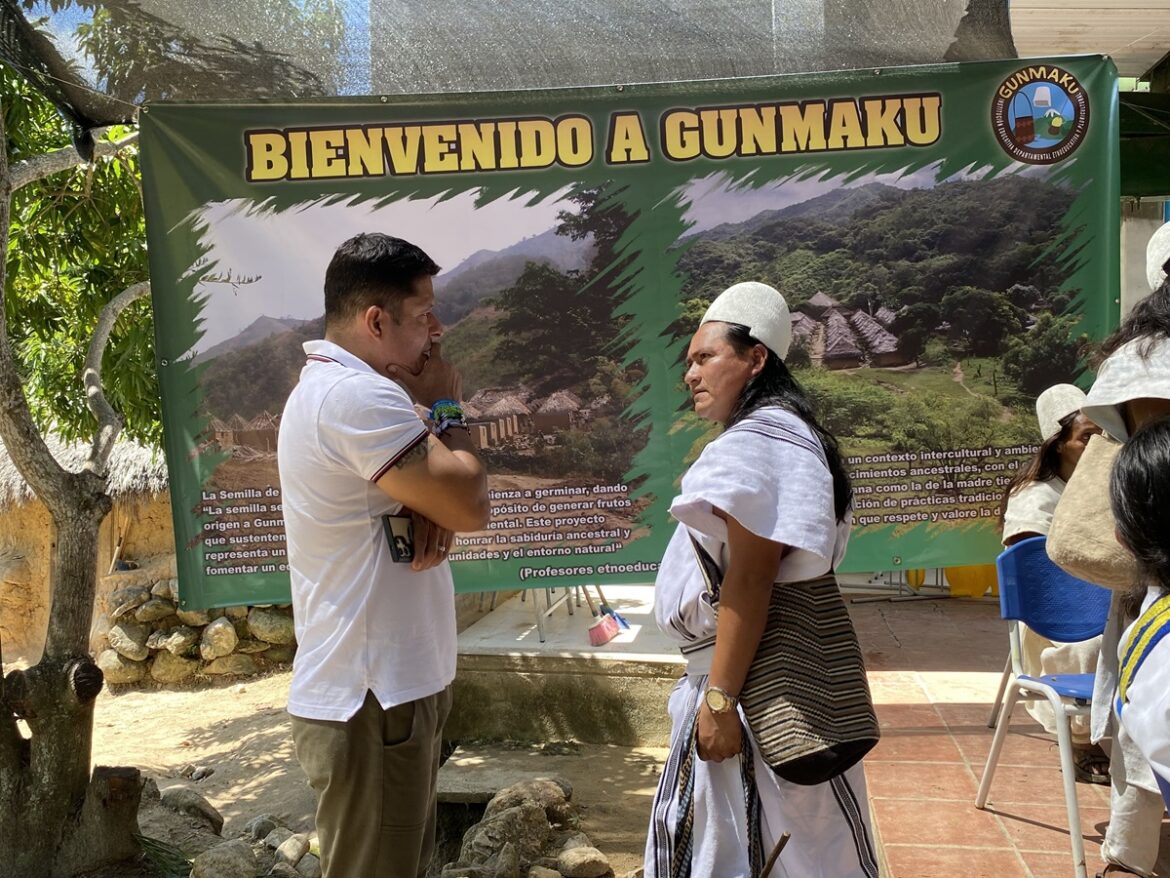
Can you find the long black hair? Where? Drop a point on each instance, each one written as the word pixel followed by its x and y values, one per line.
pixel 1139 493
pixel 1043 466
pixel 1149 320
pixel 774 385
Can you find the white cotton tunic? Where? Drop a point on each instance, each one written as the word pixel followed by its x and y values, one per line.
pixel 768 473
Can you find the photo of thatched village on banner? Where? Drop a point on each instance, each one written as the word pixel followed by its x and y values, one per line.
pixel 937 232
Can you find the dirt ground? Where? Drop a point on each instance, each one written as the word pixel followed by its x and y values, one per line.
pixel 241 731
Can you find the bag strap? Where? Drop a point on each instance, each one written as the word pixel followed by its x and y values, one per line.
pixel 708 566
pixel 1146 633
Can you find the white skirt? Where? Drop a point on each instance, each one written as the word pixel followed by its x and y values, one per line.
pixel 829 823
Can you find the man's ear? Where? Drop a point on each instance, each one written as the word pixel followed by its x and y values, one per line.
pixel 372 321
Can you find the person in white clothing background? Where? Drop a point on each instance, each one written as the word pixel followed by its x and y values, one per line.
pixel 375 626
pixel 1028 504
pixel 1140 497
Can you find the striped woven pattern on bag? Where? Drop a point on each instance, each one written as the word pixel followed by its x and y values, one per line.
pixel 808 675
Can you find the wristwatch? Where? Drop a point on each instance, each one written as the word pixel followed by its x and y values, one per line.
pixel 719 700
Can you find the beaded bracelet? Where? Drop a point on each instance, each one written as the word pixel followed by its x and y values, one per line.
pixel 446 408
pixel 445 424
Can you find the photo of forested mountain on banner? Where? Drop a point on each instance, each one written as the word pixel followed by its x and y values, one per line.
pixel 926 317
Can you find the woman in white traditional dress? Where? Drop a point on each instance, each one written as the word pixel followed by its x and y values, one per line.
pixel 1132 389
pixel 1140 495
pixel 771 500
pixel 1028 505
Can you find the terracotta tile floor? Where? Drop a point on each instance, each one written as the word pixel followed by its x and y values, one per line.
pixel 935 666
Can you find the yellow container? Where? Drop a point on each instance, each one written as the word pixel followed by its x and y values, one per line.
pixel 972 581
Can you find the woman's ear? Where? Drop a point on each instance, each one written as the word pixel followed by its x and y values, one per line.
pixel 1120 540
pixel 759 358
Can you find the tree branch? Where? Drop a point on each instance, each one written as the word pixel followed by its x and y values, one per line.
pixel 40 166
pixel 109 421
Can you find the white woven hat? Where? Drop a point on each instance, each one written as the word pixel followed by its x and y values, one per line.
pixel 1157 253
pixel 1054 405
pixel 758 307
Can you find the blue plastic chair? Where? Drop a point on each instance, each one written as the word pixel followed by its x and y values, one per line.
pixel 1035 592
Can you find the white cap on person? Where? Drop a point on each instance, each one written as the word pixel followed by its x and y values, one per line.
pixel 1054 405
pixel 1157 256
pixel 760 308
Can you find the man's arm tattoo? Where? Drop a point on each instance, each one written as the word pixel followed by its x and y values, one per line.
pixel 420 451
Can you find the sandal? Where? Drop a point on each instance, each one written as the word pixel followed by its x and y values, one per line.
pixel 1090 765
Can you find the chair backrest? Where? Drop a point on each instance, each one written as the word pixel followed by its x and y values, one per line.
pixel 1051 602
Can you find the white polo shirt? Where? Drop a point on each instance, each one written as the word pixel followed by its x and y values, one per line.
pixel 363 622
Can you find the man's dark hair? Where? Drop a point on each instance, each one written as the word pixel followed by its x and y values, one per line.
pixel 775 385
pixel 372 269
pixel 1139 493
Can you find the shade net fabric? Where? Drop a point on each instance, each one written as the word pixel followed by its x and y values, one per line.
pixel 99 61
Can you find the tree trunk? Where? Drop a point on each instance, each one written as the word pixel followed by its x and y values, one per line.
pixel 54 819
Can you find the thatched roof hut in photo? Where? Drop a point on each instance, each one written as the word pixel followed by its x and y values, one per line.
pixel 819 305
pixel 881 345
pixel 557 411
pixel 803 326
pixel 841 348
pixel 885 316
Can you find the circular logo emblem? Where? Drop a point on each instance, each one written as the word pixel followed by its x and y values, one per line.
pixel 1040 114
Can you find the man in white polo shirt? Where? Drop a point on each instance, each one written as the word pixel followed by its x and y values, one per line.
pixel 376 636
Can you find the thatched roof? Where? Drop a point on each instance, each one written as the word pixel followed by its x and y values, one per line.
pixel 507 405
pixel 803 326
pixel 839 338
pixel 561 401
pixel 134 469
pixel 885 316
pixel 876 339
pixel 236 422
pixel 819 304
pixel 264 421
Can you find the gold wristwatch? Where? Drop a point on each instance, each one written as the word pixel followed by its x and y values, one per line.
pixel 719 700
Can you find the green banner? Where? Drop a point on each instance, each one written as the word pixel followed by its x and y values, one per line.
pixel 947 237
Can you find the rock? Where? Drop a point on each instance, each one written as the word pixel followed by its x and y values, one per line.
pixel 119 669
pixel 467 870
pixel 282 654
pixel 277 837
pixel 283 870
pixel 150 793
pixel 292 849
pixel 154 609
pixel 232 665
pixel 179 640
pixel 582 863
pixel 125 600
pixel 167 668
pixel 202 773
pixel 165 589
pixel 236 612
pixel 635 873
pixel 185 801
pixel 542 872
pixel 219 639
pixel 198 618
pixel 259 827
pixel 129 639
pixel 271 626
pixel 576 840
pixel 524 825
pixel 310 866
pixel 232 859
pixel 248 646
pixel 547 793
pixel 508 862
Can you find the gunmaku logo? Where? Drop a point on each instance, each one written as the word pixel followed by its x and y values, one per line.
pixel 1040 114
